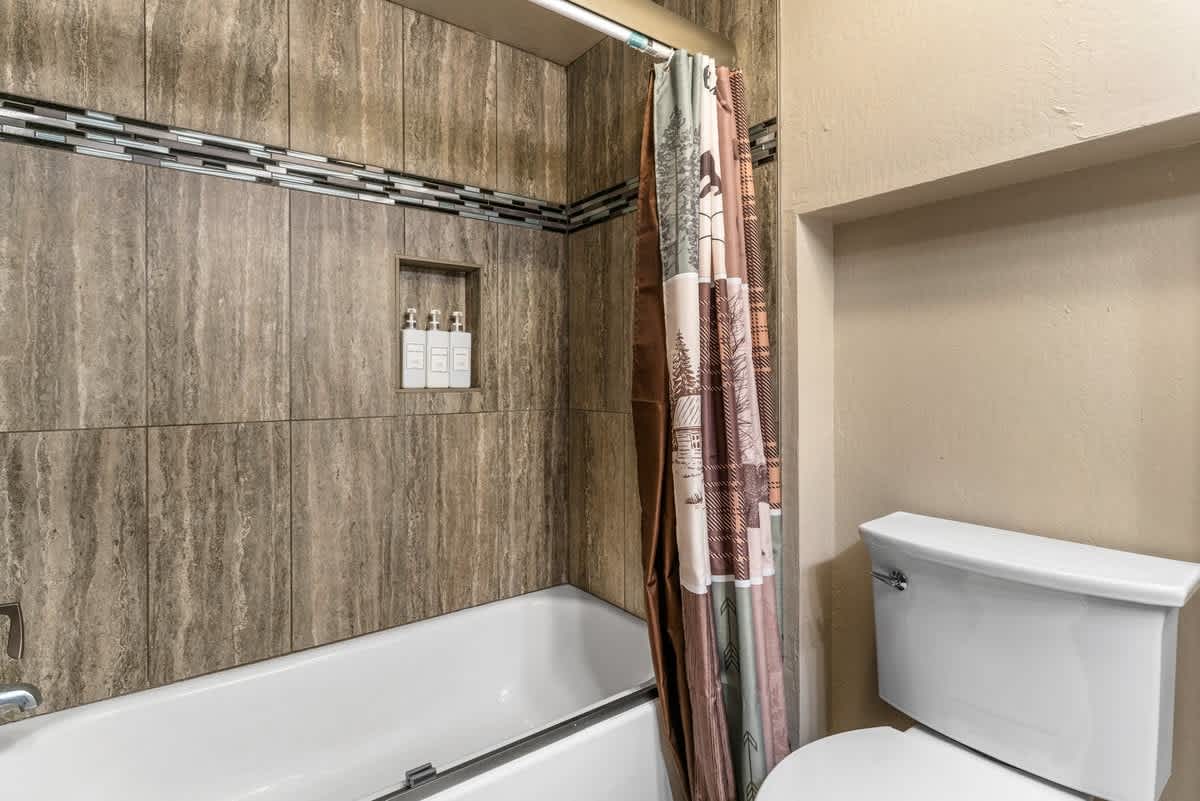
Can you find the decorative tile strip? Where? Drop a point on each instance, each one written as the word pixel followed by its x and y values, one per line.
pixel 94 133
pixel 622 198
pixel 764 142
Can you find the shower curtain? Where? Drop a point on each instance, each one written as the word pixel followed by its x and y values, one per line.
pixel 704 418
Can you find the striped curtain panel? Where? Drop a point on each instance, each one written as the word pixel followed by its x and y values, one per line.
pixel 723 454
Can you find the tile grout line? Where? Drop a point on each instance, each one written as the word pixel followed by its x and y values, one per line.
pixel 146 390
pixel 291 450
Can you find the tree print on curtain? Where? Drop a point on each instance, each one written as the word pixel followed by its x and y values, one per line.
pixel 723 452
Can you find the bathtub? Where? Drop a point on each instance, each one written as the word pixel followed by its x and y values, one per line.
pixel 545 695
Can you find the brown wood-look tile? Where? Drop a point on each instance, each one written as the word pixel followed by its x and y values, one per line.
pixel 596 488
pixel 527 367
pixel 532 125
pixel 752 26
pixel 635 586
pixel 533 528
pixel 344 517
pixel 73 553
pixel 595 136
pixel 346 89
pixel 432 235
pixel 636 70
pixel 701 12
pixel 219 66
pixel 217 300
pixel 72 275
pixel 599 289
pixel 344 321
pixel 82 53
pixel 220 547
pixel 450 115
pixel 452 491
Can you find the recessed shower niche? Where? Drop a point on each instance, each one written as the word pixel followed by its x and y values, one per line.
pixel 431 286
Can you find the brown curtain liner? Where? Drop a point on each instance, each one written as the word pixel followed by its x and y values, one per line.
pixel 652 430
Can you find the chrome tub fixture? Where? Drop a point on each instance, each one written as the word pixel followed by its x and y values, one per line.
pixel 24 697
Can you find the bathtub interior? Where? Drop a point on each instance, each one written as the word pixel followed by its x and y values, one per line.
pixel 344 721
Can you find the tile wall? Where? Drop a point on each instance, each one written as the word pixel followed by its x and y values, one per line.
pixel 203 458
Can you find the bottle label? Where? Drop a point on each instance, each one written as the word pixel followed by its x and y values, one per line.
pixel 438 358
pixel 414 357
pixel 462 359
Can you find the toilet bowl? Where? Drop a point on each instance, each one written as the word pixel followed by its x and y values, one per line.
pixel 890 765
pixel 1037 670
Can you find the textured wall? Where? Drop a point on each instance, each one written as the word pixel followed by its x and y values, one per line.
pixel 880 97
pixel 606 101
pixel 203 458
pixel 1027 359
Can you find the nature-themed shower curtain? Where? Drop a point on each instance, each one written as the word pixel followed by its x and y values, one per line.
pixel 704 416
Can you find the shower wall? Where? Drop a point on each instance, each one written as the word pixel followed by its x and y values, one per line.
pixel 607 90
pixel 203 457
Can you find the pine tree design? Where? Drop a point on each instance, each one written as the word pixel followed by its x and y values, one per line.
pixel 684 380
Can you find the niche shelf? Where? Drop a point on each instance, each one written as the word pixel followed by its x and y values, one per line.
pixel 425 284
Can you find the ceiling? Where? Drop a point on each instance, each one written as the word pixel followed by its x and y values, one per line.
pixel 515 22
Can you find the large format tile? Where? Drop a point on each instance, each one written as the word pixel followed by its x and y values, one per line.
pixel 219 66
pixel 753 27
pixel 72 274
pixel 595 137
pixel 432 235
pixel 531 148
pixel 73 553
pixel 451 497
pixel 346 88
pixel 79 52
pixel 636 69
pixel 599 289
pixel 450 114
pixel 527 367
pixel 220 547
pixel 344 320
pixel 344 519
pixel 532 524
pixel 217 300
pixel 596 512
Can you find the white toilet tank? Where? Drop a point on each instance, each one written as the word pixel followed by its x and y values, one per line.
pixel 1054 657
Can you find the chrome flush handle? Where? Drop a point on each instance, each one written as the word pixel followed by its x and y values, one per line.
pixel 896 580
pixel 16 629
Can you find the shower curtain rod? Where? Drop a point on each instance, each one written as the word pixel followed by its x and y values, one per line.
pixel 634 39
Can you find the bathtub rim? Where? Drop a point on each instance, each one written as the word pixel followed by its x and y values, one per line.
pixel 101 708
pixel 645 693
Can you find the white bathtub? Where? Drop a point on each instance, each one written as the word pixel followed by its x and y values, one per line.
pixel 344 722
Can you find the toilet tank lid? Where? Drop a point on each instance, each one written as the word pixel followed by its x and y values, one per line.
pixel 1041 561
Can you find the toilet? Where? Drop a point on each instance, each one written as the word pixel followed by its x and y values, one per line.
pixel 1037 670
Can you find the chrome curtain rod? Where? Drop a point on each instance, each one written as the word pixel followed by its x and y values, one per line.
pixel 634 39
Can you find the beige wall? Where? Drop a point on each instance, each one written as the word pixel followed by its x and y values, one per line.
pixel 1027 358
pixel 878 97
pixel 889 107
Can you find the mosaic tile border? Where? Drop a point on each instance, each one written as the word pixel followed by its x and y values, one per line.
pixel 95 133
pixel 622 198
